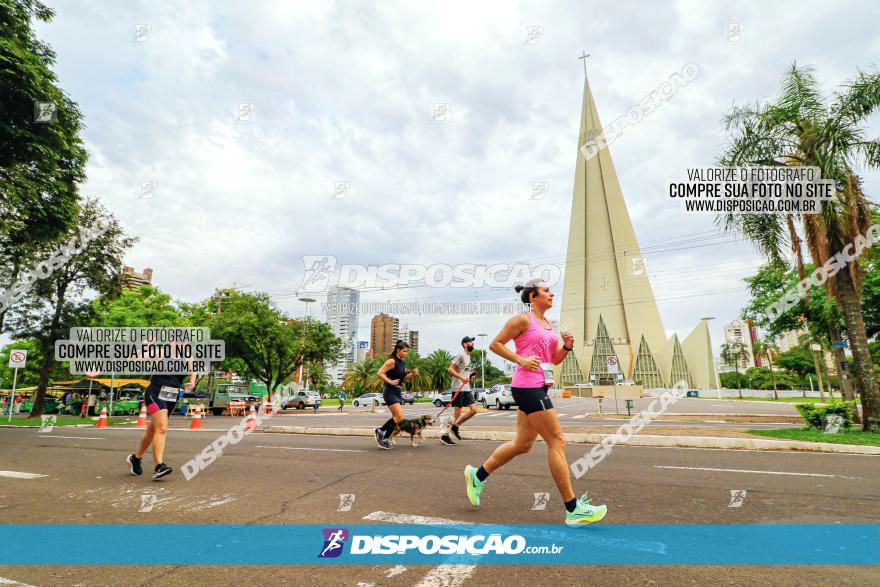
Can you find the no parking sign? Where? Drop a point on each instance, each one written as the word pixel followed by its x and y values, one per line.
pixel 17 358
pixel 611 363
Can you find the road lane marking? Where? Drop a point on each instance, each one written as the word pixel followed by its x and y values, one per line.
pixel 441 575
pixel 74 437
pixel 310 448
pixel 20 475
pixel 5 581
pixel 578 417
pixel 750 471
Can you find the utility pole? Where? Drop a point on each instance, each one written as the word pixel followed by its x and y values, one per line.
pixel 483 360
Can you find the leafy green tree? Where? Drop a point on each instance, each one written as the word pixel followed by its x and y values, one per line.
pixel 802 128
pixel 57 303
pixel 764 350
pixel 731 354
pixel 144 306
pixel 41 163
pixel 271 346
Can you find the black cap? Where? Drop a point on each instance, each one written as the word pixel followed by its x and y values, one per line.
pixel 467 339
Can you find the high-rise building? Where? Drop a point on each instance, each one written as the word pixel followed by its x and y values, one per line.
pixel 342 315
pixel 740 332
pixel 131 279
pixel 607 303
pixel 409 336
pixel 384 332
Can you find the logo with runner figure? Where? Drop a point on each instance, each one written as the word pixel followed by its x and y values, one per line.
pixel 334 540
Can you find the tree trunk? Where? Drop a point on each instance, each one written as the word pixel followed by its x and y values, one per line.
pixel 845 382
pixel 48 355
pixel 865 383
pixel 772 376
pixel 738 384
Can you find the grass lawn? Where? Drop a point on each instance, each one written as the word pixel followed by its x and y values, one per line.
pixel 62 421
pixel 854 435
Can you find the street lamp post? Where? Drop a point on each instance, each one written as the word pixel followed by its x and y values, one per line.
pixel 309 314
pixel 483 361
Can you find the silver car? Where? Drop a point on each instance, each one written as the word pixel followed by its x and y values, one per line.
pixel 301 400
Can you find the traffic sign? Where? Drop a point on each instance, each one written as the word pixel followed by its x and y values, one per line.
pixel 17 358
pixel 840 344
pixel 611 363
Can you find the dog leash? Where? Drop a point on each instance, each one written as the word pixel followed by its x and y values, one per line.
pixel 453 398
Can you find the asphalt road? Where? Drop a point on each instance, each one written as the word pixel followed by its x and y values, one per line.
pixel 283 478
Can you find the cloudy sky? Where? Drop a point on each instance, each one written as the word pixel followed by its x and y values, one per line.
pixel 218 133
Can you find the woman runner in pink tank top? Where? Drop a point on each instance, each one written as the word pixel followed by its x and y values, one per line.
pixel 536 343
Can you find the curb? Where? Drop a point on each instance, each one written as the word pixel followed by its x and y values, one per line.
pixel 637 440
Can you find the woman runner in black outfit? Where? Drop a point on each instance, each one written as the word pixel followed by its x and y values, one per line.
pixel 393 373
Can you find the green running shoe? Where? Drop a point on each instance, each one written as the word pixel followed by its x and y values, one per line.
pixel 585 513
pixel 474 485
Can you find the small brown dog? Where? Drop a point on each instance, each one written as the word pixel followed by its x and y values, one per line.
pixel 414 427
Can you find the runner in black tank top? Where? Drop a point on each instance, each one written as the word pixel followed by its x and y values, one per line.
pixel 393 373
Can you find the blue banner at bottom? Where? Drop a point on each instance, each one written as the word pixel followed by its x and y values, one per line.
pixel 370 544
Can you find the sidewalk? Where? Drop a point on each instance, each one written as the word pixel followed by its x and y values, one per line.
pixel 680 437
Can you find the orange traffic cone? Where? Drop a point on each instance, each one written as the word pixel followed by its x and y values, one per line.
pixel 142 418
pixel 251 423
pixel 196 423
pixel 102 419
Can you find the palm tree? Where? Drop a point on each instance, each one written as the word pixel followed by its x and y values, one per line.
pixel 731 353
pixel 763 349
pixel 800 129
pixel 361 377
pixel 436 365
pixel 317 374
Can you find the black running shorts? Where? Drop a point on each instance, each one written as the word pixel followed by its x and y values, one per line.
pixel 531 399
pixel 155 403
pixel 464 399
pixel 392 395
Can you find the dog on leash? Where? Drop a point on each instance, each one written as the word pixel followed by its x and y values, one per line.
pixel 413 426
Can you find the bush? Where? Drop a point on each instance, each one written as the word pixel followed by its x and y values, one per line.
pixel 813 414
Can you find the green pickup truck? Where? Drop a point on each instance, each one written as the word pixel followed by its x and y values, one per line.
pixel 226 392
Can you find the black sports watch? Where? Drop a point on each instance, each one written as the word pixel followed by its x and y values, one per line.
pixel 567 348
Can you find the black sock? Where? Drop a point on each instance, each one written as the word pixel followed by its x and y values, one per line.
pixel 388 427
pixel 455 427
pixel 482 474
pixel 571 504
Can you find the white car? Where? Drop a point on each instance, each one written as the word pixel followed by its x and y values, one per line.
pixel 368 399
pixel 301 399
pixel 498 396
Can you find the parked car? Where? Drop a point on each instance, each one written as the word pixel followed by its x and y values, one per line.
pixel 498 396
pixel 369 399
pixel 443 399
pixel 301 400
pixel 409 398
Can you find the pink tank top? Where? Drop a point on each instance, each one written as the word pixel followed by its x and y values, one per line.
pixel 537 341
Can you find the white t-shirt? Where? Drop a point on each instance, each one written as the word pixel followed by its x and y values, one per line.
pixel 463 364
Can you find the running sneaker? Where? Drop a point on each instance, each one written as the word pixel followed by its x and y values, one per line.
pixel 134 464
pixel 474 485
pixel 584 513
pixel 385 444
pixel 455 431
pixel 446 440
pixel 161 470
pixel 380 435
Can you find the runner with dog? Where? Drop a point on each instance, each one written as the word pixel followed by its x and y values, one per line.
pixel 393 373
pixel 537 350
pixel 462 370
